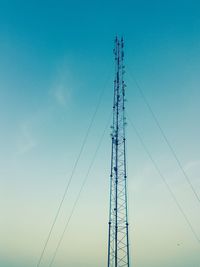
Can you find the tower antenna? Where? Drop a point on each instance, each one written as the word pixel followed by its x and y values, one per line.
pixel 118 235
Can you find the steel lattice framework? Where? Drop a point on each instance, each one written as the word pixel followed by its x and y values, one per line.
pixel 118 236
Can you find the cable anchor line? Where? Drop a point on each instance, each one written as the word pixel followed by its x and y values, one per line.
pixel 71 176
pixel 171 148
pixel 179 206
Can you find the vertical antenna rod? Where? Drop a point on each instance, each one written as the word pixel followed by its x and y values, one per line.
pixel 118 236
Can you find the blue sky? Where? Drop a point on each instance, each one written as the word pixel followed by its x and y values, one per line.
pixel 55 59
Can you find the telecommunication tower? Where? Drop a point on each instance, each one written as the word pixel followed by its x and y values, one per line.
pixel 118 235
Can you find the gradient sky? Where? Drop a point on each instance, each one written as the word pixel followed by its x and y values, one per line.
pixel 55 59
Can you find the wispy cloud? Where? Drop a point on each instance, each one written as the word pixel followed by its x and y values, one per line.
pixel 61 87
pixel 61 95
pixel 26 141
pixel 194 164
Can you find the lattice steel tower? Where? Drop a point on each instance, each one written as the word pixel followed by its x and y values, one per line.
pixel 118 236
